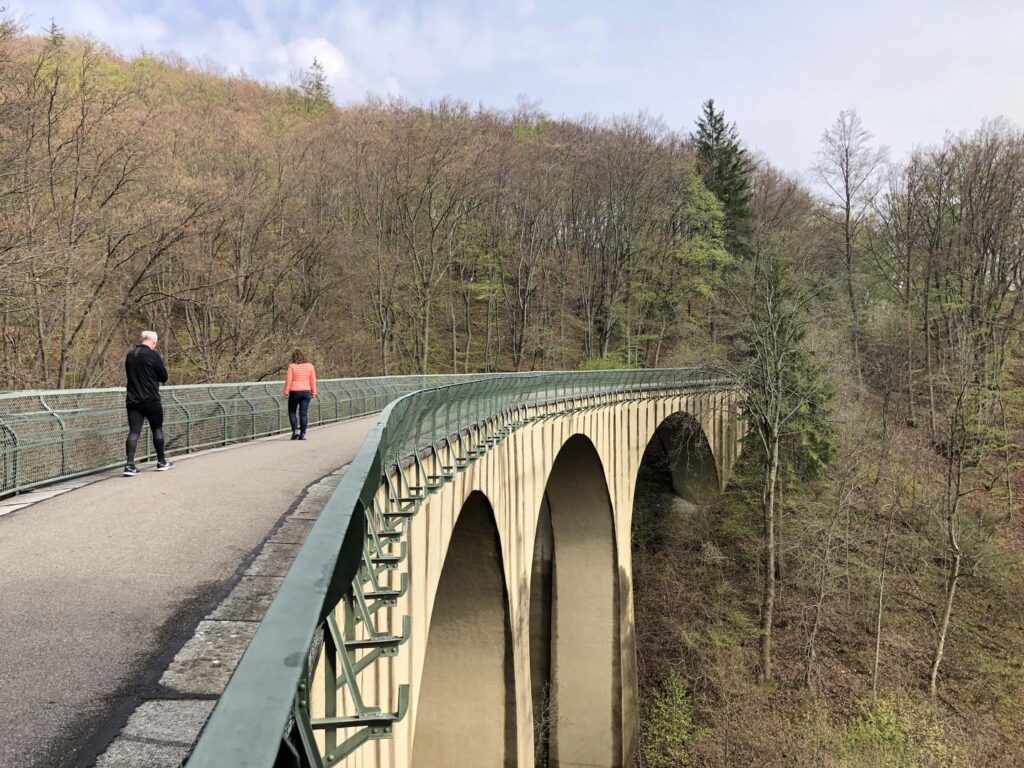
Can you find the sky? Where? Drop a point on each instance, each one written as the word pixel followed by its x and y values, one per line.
pixel 782 70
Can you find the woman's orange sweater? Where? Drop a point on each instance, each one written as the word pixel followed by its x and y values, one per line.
pixel 301 377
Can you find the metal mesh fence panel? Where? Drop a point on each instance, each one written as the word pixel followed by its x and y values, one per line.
pixel 46 436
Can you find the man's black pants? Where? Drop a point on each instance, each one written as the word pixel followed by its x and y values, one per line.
pixel 138 413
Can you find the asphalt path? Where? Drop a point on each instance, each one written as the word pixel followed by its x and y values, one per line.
pixel 100 586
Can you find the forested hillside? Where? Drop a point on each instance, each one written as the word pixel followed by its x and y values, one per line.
pixel 239 219
pixel 854 598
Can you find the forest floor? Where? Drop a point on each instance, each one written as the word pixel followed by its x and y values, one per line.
pixel 697 595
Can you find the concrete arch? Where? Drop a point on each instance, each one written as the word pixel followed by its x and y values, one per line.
pixel 574 616
pixel 467 698
pixel 691 461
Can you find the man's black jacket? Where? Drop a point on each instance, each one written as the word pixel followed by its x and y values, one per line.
pixel 145 371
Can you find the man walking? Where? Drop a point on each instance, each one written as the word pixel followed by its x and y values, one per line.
pixel 145 371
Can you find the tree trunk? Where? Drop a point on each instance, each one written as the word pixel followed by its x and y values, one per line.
pixel 469 331
pixel 768 594
pixel 1007 464
pixel 879 606
pixel 811 648
pixel 425 335
pixel 947 611
pixel 490 333
pixel 929 369
pixel 455 336
pixel 851 295
pixel 909 311
pixel 661 340
pixel 953 575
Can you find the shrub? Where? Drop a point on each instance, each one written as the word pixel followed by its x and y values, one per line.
pixel 669 732
pixel 611 362
pixel 894 736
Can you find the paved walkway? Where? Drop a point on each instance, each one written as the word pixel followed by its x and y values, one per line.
pixel 101 586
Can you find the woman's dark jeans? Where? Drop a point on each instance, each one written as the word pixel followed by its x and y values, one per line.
pixel 299 401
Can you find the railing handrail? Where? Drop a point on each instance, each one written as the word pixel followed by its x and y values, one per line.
pixel 165 388
pixel 247 724
pixel 52 435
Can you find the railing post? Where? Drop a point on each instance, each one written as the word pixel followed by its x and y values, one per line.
pixel 223 410
pixel 252 407
pixel 15 454
pixel 277 407
pixel 334 397
pixel 188 419
pixel 63 435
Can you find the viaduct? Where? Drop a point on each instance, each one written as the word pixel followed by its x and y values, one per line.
pixel 491 607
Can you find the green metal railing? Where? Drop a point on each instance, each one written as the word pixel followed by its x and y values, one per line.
pixel 325 615
pixel 52 435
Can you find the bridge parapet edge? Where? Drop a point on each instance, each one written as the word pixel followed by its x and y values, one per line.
pixel 47 436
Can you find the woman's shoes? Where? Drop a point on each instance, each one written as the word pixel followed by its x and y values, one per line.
pixel 302 436
pixel 295 435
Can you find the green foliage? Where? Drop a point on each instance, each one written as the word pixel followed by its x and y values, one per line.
pixel 55 37
pixel 669 728
pixel 702 251
pixel 669 731
pixel 610 362
pixel 738 520
pixel 727 171
pixel 687 269
pixel 893 735
pixel 810 446
pixel 314 90
pixel 526 131
pixel 786 387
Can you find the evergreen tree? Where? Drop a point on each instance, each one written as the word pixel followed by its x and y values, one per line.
pixel 786 401
pixel 316 93
pixel 726 168
pixel 54 34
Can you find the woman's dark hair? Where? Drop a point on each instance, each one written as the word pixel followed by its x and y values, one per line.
pixel 298 357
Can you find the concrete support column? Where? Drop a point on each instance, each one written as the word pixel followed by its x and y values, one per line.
pixel 466 708
pixel 585 664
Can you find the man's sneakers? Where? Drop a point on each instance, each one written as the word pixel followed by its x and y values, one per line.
pixel 130 470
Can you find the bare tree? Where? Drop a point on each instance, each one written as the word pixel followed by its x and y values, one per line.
pixel 848 169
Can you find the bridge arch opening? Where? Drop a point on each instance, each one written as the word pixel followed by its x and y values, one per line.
pixel 678 473
pixel 465 712
pixel 574 617
pixel 680 447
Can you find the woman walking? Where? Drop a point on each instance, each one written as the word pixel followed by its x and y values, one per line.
pixel 300 388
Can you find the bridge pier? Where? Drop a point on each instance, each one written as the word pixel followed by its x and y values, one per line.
pixel 467 713
pixel 584 619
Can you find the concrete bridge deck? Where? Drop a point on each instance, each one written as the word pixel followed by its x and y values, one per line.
pixel 100 586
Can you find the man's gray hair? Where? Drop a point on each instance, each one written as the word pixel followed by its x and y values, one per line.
pixel 147 336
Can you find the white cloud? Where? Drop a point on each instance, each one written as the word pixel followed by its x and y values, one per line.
pixel 101 19
pixel 526 8
pixel 781 70
pixel 299 54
